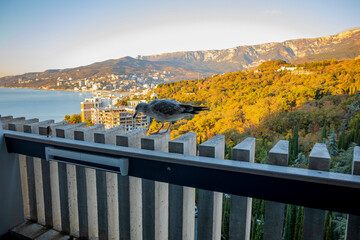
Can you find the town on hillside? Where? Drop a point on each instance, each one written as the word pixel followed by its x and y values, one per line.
pixel 132 82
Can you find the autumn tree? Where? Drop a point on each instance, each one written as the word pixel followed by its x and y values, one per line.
pixel 75 118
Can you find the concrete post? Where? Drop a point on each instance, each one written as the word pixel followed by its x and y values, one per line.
pixel 5 121
pixel 19 125
pixel 26 172
pixel 84 191
pixel 353 221
pixel 240 207
pixel 65 185
pixel 45 168
pixel 35 176
pixel 275 211
pixel 11 201
pixel 107 185
pixel 130 192
pixel 155 199
pixel 182 199
pixel 314 219
pixel 210 203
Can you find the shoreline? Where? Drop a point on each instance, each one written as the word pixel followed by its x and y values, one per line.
pixel 69 90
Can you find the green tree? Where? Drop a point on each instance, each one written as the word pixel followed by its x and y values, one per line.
pixel 341 143
pixel 324 130
pixel 226 217
pixel 294 145
pixel 299 223
pixel 258 210
pixel 332 144
pixel 290 222
pixel 329 226
pixel 349 139
pixel 357 132
pixel 259 229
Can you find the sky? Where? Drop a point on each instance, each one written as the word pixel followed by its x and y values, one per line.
pixel 39 35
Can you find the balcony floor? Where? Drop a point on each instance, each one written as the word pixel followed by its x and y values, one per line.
pixel 32 230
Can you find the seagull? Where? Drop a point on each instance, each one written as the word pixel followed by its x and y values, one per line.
pixel 167 110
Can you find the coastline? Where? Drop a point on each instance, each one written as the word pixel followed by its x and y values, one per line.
pixel 70 90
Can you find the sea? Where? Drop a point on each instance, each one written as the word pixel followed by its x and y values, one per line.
pixel 41 104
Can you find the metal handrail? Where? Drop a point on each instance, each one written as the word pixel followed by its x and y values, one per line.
pixel 311 188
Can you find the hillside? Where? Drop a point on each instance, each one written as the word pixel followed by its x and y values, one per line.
pixel 126 65
pixel 268 102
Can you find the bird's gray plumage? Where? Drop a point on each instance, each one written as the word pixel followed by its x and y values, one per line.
pixel 167 110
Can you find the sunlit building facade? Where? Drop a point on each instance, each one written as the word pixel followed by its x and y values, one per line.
pixel 112 116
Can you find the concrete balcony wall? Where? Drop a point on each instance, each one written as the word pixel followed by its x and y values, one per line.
pixel 97 204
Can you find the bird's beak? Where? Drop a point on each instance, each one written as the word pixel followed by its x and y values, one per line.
pixel 135 114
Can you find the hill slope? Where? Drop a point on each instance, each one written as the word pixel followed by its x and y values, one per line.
pixel 243 100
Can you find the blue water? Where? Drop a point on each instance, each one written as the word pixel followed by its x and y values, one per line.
pixel 41 104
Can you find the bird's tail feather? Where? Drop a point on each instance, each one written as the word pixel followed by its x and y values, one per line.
pixel 196 110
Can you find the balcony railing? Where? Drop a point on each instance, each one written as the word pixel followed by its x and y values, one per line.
pixel 90 183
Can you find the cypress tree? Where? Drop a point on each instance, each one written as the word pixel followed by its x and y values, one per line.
pixel 357 131
pixel 225 218
pixel 324 130
pixel 228 151
pixel 296 141
pixel 349 139
pixel 341 143
pixel 290 222
pixel 255 214
pixel 291 157
pixel 299 224
pixel 259 232
pixel 329 226
pixel 332 143
pixel 258 219
pixel 287 224
pixel 294 144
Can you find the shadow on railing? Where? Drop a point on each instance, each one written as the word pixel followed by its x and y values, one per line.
pixel 71 182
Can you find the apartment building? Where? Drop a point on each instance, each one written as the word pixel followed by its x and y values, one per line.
pixel 112 116
pixel 89 103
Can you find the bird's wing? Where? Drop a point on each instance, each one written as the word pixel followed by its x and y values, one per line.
pixel 187 108
pixel 167 107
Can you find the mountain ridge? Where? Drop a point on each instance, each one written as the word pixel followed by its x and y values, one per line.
pixel 251 56
pixel 190 64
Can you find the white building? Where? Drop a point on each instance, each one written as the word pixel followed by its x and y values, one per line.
pixel 112 116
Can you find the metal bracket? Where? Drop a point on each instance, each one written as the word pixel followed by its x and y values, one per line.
pixel 88 160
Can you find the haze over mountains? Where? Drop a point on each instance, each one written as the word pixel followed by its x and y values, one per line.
pixel 340 46
pixel 189 64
